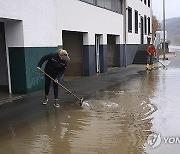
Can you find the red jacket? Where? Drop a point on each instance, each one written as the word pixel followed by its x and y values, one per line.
pixel 151 50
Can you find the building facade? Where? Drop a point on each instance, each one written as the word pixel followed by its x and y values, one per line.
pixel 98 34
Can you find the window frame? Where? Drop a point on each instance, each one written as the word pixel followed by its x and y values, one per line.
pixel 118 10
pixel 129 19
pixel 145 2
pixel 145 24
pixel 149 3
pixel 136 21
pixel 149 25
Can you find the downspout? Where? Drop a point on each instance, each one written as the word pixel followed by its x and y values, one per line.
pixel 8 67
pixel 8 62
pixel 125 34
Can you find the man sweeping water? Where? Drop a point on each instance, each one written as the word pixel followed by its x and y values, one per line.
pixel 55 67
pixel 151 50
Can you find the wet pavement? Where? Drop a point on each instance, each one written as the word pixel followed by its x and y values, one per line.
pixel 122 108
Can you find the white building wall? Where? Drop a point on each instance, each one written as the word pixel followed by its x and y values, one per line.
pixel 44 20
pixel 38 22
pixel 41 22
pixel 142 9
pixel 83 17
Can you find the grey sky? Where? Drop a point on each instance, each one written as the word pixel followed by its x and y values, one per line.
pixel 172 8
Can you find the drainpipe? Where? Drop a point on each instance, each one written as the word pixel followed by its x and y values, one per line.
pixel 8 66
pixel 164 29
pixel 125 33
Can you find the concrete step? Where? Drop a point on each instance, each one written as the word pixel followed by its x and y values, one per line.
pixel 141 54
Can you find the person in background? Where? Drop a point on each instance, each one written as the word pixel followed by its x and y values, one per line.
pixel 55 67
pixel 151 50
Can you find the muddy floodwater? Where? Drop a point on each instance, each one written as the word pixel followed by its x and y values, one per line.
pixel 115 120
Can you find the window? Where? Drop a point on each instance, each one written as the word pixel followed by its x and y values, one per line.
pixel 145 2
pixel 113 5
pixel 145 24
pixel 136 21
pixel 107 4
pixel 129 19
pixel 100 3
pixel 149 3
pixel 89 1
pixel 117 6
pixel 149 25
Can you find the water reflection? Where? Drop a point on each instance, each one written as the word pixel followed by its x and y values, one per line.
pixel 166 119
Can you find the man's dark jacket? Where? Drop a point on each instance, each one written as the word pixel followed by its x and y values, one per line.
pixel 55 65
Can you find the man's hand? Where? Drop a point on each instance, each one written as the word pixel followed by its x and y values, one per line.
pixel 56 80
pixel 38 68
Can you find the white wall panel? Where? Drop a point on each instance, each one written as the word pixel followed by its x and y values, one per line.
pixel 38 19
pixel 42 21
pixel 80 16
pixel 142 9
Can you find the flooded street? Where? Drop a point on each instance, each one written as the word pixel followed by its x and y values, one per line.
pixel 115 120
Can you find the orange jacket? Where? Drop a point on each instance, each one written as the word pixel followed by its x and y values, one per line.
pixel 151 50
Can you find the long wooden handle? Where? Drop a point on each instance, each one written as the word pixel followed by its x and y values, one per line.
pixel 60 84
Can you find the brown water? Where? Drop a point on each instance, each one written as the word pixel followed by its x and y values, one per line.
pixel 116 120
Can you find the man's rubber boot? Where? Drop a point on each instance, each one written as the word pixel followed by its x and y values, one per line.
pixel 147 66
pixel 152 66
